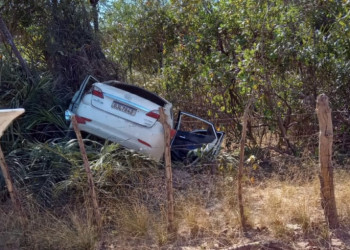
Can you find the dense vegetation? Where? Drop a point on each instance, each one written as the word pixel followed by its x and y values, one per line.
pixel 207 57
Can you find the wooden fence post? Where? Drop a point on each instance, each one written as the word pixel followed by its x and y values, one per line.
pixel 168 170
pixel 88 172
pixel 6 118
pixel 325 157
pixel 10 187
pixel 240 166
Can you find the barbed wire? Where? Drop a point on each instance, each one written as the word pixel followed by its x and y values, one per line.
pixel 268 141
pixel 197 146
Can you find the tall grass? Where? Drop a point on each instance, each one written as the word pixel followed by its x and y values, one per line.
pixel 45 230
pixel 342 194
pixel 131 190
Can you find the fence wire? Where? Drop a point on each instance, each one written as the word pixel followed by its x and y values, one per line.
pixel 264 136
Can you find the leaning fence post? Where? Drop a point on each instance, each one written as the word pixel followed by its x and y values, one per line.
pixel 240 166
pixel 88 172
pixel 325 157
pixel 12 190
pixel 168 170
pixel 7 116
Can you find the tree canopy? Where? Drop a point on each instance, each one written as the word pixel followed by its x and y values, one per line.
pixel 205 56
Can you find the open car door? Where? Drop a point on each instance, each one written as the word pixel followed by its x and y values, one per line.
pixel 195 138
pixel 84 87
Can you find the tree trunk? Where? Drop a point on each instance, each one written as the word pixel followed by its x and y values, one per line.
pixel 325 157
pixel 272 105
pixel 95 15
pixel 8 37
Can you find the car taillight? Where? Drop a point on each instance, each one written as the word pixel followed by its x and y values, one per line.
pixel 97 92
pixel 144 143
pixel 153 114
pixel 82 120
pixel 172 133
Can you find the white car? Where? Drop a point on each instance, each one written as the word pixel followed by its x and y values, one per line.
pixel 128 115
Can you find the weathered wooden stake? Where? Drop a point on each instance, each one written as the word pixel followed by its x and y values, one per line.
pixel 6 118
pixel 10 187
pixel 240 167
pixel 88 172
pixel 325 157
pixel 168 170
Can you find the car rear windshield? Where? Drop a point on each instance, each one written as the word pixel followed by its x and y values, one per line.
pixel 139 92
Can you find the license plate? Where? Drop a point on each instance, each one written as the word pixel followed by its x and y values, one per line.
pixel 123 108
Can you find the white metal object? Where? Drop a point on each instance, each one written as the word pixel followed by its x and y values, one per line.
pixel 7 116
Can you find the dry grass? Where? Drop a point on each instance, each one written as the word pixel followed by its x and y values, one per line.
pixel 343 196
pixel 71 233
pixel 133 219
pixel 206 216
pixel 44 230
pixel 283 207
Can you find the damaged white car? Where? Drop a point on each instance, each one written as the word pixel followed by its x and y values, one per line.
pixel 128 115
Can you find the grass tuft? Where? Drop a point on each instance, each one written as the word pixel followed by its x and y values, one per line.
pixel 47 231
pixel 342 194
pixel 133 219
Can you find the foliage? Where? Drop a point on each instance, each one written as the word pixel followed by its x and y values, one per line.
pixel 215 53
pixel 115 169
pixel 38 167
pixel 53 172
pixel 61 48
pixel 204 56
pixel 138 34
pixel 207 57
pixel 43 118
